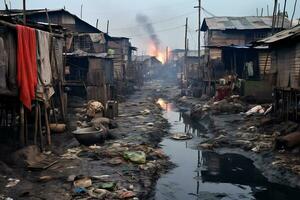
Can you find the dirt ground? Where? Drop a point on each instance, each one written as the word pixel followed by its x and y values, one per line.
pixel 141 127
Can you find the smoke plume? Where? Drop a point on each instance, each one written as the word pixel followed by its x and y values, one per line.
pixel 145 23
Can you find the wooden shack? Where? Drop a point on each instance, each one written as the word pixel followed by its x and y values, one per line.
pixel 231 31
pixel 285 71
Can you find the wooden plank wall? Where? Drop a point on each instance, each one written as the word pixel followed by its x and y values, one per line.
pixel 264 63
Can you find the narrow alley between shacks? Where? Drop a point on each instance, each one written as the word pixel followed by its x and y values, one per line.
pixel 152 100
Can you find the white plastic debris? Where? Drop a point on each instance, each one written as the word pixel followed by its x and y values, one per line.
pixel 12 182
pixel 256 109
pixel 268 110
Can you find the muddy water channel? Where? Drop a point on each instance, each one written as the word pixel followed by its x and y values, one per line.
pixel 207 175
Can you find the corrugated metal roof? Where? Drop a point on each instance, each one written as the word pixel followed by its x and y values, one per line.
pixel 295 31
pixel 240 23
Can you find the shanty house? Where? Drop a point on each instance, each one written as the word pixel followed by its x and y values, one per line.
pixel 120 50
pixel 85 52
pixel 285 70
pixel 227 41
pixel 31 64
pixel 227 31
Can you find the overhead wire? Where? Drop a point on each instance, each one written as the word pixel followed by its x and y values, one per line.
pixel 159 31
pixel 158 21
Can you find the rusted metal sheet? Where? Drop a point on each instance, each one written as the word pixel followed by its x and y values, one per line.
pixel 241 23
pixel 281 36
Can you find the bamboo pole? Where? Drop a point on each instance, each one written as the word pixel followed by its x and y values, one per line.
pixel 40 127
pixel 22 138
pixel 36 122
pixel 47 125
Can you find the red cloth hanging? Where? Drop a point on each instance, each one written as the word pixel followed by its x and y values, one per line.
pixel 26 64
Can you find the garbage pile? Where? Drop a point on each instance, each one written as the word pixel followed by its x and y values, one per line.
pixel 92 127
pixel 138 158
pixel 99 187
pixel 230 105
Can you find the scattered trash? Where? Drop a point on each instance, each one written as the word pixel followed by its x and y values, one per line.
pixel 107 186
pixel 84 182
pixel 71 153
pixel 206 146
pixel 45 178
pixel 79 190
pixel 12 182
pixel 71 178
pixel 116 161
pixel 146 112
pixel 181 136
pixel 124 194
pixel 150 124
pixel 101 177
pixel 98 193
pixel 268 110
pixel 257 109
pixel 252 129
pixel 138 157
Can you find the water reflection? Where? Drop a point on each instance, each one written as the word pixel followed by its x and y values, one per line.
pixel 207 175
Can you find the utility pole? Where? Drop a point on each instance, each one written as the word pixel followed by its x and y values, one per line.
pixel 81 11
pixel 199 38
pixel 107 26
pixel 295 5
pixel 283 16
pixel 97 23
pixel 24 12
pixel 268 12
pixel 185 48
pixel 274 16
pixel 262 12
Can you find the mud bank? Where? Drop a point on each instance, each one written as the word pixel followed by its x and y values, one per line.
pixel 252 137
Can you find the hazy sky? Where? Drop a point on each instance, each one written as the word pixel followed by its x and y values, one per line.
pixel 168 16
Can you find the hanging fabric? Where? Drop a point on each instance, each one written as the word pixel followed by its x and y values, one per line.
pixel 26 64
pixel 44 87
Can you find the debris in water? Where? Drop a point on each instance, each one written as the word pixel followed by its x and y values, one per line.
pixel 181 136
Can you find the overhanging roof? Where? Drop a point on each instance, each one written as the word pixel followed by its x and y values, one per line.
pixel 283 35
pixel 241 23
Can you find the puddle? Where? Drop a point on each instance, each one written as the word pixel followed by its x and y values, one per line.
pixel 207 175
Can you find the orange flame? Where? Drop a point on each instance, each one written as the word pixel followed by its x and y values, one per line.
pixel 154 51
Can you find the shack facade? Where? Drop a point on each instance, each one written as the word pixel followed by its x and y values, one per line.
pixel 223 32
pixel 285 71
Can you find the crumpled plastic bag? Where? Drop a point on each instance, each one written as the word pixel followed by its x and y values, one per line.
pixel 138 157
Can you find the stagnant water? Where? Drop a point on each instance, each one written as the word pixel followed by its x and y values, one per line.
pixel 206 175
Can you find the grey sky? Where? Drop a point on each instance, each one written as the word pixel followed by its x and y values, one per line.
pixel 168 16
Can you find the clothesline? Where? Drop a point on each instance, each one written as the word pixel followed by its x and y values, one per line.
pixel 13 26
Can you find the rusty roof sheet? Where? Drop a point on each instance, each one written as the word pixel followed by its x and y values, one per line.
pixel 286 34
pixel 240 23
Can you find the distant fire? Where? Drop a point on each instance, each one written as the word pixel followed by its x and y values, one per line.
pixel 154 51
